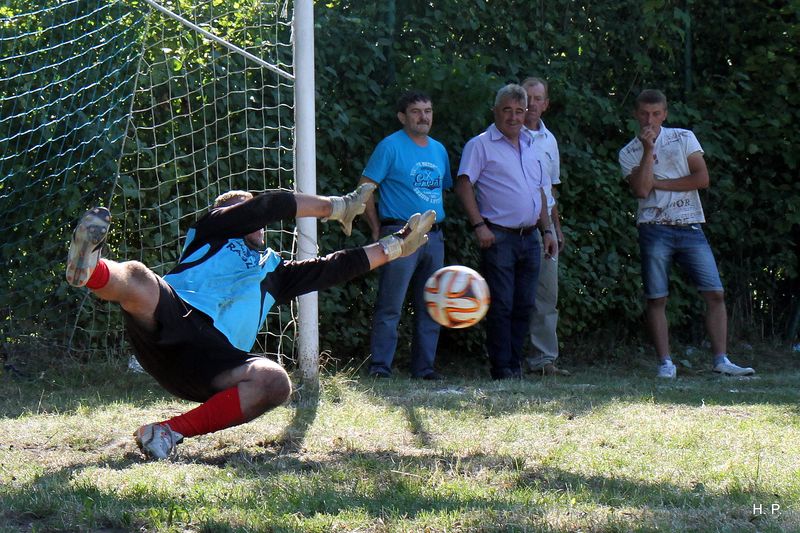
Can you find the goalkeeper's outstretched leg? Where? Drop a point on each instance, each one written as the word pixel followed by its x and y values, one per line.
pixel 193 328
pixel 130 284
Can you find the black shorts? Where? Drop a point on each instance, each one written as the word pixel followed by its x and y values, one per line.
pixel 185 352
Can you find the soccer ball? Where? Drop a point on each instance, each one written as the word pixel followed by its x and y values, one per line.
pixel 456 296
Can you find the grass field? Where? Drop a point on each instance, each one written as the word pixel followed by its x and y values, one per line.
pixel 607 449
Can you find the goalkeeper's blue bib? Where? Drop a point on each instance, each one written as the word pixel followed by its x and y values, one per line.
pixel 225 280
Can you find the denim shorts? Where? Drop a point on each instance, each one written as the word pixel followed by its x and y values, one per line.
pixel 687 246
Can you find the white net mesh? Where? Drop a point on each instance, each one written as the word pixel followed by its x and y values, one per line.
pixel 67 73
pixel 201 119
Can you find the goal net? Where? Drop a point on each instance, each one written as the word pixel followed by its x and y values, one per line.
pixel 150 109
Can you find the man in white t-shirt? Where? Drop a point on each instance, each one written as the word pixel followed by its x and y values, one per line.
pixel 544 319
pixel 665 169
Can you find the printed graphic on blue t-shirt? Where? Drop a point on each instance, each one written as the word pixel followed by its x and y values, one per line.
pixel 411 178
pixel 427 181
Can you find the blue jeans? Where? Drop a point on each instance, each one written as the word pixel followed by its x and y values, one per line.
pixel 395 279
pixel 660 245
pixel 511 269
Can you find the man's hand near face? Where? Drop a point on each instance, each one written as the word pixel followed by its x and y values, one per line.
pixel 648 137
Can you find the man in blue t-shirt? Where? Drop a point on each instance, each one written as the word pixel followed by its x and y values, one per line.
pixel 411 171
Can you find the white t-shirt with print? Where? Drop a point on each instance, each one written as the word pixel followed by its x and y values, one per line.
pixel 670 153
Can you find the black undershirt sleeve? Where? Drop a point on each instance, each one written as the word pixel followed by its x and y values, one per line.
pixel 240 219
pixel 293 278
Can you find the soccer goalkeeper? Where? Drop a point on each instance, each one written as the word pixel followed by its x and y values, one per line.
pixel 193 329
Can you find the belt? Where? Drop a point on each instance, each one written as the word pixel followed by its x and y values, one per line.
pixel 527 230
pixel 694 225
pixel 399 222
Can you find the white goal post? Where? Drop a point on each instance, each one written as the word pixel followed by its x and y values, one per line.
pixel 307 347
pixel 306 180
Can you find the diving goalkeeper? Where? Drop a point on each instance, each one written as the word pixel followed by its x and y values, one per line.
pixel 193 329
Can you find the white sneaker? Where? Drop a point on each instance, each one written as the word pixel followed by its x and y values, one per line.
pixel 157 441
pixel 726 368
pixel 666 370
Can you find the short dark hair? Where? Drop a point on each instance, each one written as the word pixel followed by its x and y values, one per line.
pixel 651 96
pixel 411 97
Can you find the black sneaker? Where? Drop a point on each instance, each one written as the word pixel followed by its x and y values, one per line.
pixel 433 376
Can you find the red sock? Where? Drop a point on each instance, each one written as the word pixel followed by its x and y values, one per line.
pixel 99 277
pixel 221 411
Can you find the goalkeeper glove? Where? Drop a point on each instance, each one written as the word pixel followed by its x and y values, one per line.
pixel 413 235
pixel 346 208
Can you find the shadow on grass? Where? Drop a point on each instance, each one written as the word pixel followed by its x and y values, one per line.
pixel 581 393
pixel 417 426
pixel 66 388
pixel 306 403
pixel 382 485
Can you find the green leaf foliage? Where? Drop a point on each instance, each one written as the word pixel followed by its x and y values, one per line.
pixel 728 68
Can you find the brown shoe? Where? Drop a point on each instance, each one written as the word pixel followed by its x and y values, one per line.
pixel 551 370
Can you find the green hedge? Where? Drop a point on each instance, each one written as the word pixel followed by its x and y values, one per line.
pixel 729 69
